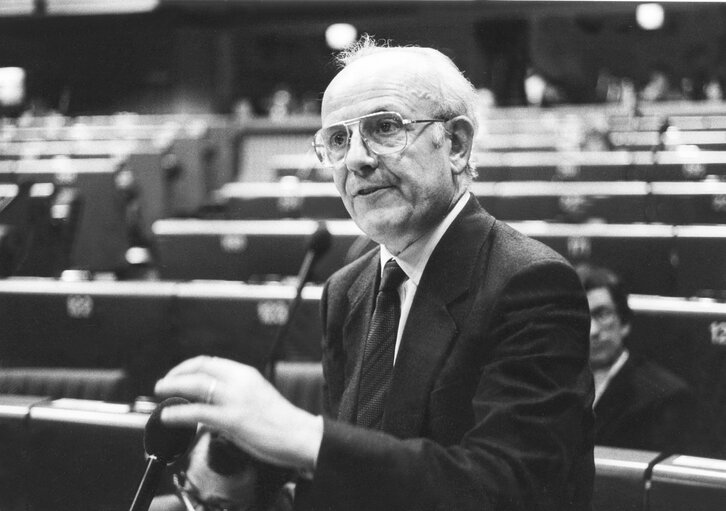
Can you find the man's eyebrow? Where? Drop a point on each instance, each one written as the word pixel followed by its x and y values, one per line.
pixel 380 110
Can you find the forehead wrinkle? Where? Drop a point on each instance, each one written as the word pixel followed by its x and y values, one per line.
pixel 426 95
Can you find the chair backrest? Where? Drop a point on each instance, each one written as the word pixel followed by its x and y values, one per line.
pixel 301 383
pixel 76 383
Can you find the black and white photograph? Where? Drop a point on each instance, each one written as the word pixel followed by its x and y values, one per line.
pixel 362 255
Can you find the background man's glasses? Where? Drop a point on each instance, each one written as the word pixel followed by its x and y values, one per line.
pixel 382 133
pixel 189 495
pixel 604 316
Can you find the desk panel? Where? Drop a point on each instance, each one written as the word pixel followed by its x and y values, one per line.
pixel 642 254
pixel 684 483
pixel 248 250
pixel 129 325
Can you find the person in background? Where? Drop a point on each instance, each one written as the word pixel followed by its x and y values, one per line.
pixel 638 404
pixel 220 477
pixel 455 352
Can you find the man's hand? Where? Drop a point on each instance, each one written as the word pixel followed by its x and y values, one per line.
pixel 238 401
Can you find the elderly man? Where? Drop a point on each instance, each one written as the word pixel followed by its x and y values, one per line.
pixel 455 354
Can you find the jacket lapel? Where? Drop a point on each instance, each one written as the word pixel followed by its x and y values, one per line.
pixel 361 297
pixel 612 406
pixel 432 324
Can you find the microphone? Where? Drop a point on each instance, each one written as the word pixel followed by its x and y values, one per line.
pixel 163 445
pixel 318 245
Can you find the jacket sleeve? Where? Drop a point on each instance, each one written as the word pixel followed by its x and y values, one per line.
pixel 529 442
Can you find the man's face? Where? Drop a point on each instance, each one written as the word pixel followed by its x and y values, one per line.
pixel 607 331
pixel 393 198
pixel 215 490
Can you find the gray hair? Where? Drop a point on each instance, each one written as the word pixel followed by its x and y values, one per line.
pixel 453 93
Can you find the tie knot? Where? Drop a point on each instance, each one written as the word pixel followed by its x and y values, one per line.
pixel 393 276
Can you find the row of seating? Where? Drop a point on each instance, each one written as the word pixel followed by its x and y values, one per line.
pixel 122 198
pixel 654 258
pixel 145 328
pixel 628 480
pixel 685 164
pixel 124 176
pixel 69 454
pixel 171 166
pixel 713 140
pixel 557 120
pixel 687 115
pixel 569 201
pixel 45 439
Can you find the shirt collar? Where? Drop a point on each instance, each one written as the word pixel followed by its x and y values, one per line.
pixel 413 260
pixel 609 374
pixel 619 363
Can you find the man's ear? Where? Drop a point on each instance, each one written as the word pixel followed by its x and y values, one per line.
pixel 461 132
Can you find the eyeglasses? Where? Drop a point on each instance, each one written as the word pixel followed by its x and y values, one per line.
pixel 189 495
pixel 604 316
pixel 381 132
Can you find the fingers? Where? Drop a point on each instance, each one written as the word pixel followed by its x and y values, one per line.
pixel 236 399
pixel 220 368
pixel 194 387
pixel 182 415
pixel 203 363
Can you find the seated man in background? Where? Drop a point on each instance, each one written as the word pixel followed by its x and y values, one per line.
pixel 219 476
pixel 638 404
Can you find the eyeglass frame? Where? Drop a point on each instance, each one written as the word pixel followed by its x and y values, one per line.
pixel 347 123
pixel 604 316
pixel 188 498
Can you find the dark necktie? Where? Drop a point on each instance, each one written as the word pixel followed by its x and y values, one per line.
pixel 377 366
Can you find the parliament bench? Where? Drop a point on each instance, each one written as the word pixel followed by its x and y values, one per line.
pixel 670 202
pixel 65 382
pixel 247 250
pixel 83 454
pixel 617 165
pixel 686 163
pixel 713 140
pixel 674 260
pixel 259 250
pixel 688 337
pixel 99 234
pixel 144 327
pixel 653 122
pixel 166 175
pixel 540 200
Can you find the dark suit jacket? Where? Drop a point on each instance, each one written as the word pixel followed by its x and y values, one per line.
pixel 490 403
pixel 645 407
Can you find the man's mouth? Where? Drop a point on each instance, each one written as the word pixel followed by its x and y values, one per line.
pixel 370 190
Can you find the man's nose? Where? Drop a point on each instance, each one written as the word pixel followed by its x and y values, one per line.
pixel 359 158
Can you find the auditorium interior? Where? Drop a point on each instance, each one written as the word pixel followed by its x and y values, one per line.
pixel 158 194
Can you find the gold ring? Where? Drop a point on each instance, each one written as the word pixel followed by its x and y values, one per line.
pixel 210 392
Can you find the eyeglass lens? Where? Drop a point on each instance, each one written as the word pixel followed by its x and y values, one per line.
pixel 383 133
pixel 603 315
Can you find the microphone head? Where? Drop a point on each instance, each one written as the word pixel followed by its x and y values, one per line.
pixel 167 443
pixel 320 240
